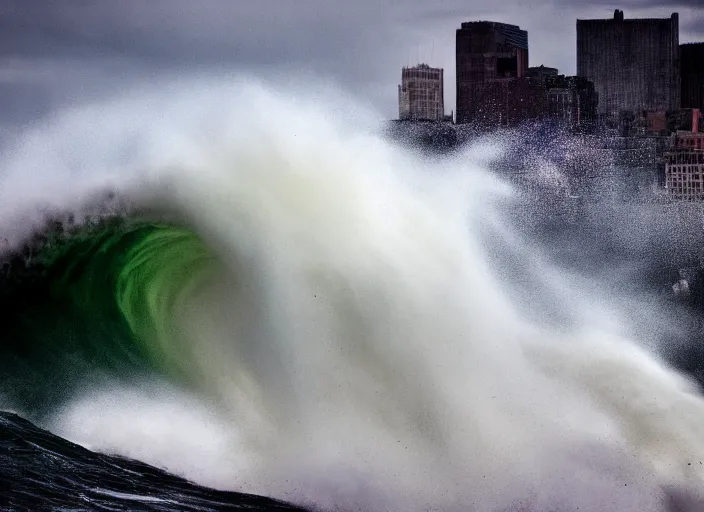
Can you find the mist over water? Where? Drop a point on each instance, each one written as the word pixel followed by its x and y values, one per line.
pixel 376 332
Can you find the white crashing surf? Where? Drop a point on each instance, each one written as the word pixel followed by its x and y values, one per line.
pixel 362 352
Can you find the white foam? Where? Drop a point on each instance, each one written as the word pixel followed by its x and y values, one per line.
pixel 361 350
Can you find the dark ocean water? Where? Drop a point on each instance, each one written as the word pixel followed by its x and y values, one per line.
pixel 40 471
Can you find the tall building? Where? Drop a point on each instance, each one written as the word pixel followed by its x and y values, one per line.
pixel 489 57
pixel 692 71
pixel 634 63
pixel 420 95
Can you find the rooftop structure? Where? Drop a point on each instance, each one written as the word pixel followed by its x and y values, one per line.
pixel 684 170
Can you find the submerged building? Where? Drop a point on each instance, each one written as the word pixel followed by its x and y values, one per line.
pixel 633 63
pixel 420 95
pixel 490 57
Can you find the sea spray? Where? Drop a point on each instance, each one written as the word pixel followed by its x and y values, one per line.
pixel 352 346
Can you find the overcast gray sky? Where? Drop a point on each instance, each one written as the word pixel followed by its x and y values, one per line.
pixel 68 50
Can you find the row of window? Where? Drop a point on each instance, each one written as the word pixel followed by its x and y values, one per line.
pixel 683 169
pixel 685 182
pixel 696 142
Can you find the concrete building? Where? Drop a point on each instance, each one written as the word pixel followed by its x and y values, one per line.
pixel 692 72
pixel 684 170
pixel 684 175
pixel 634 63
pixel 420 95
pixel 490 57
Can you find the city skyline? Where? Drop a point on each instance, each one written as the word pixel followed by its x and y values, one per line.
pixel 51 55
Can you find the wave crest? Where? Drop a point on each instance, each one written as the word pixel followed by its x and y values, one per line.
pixel 330 296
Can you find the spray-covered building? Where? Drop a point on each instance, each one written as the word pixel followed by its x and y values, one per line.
pixel 633 63
pixel 420 95
pixel 490 57
pixel 692 71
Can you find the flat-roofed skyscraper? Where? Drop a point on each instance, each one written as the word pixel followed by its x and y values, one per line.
pixel 489 56
pixel 420 95
pixel 634 63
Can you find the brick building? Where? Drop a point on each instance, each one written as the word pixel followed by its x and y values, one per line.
pixel 490 57
pixel 634 63
pixel 420 95
pixel 692 71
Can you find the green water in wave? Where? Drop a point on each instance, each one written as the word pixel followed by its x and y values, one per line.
pixel 103 301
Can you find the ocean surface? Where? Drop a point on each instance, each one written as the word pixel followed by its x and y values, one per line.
pixel 41 471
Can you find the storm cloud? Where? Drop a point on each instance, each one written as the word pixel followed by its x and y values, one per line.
pixel 57 52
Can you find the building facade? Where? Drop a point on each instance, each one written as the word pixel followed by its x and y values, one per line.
pixel 633 63
pixel 692 72
pixel 490 57
pixel 421 94
pixel 572 100
pixel 684 170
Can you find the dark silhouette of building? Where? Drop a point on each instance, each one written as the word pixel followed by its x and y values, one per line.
pixel 634 63
pixel 541 71
pixel 572 100
pixel 420 95
pixel 684 120
pixel 490 57
pixel 692 72
pixel 566 100
pixel 520 100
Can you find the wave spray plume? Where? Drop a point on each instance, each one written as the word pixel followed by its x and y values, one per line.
pixel 301 309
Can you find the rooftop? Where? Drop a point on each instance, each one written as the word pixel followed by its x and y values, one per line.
pixel 512 33
pixel 619 17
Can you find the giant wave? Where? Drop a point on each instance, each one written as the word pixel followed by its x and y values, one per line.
pixel 290 305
